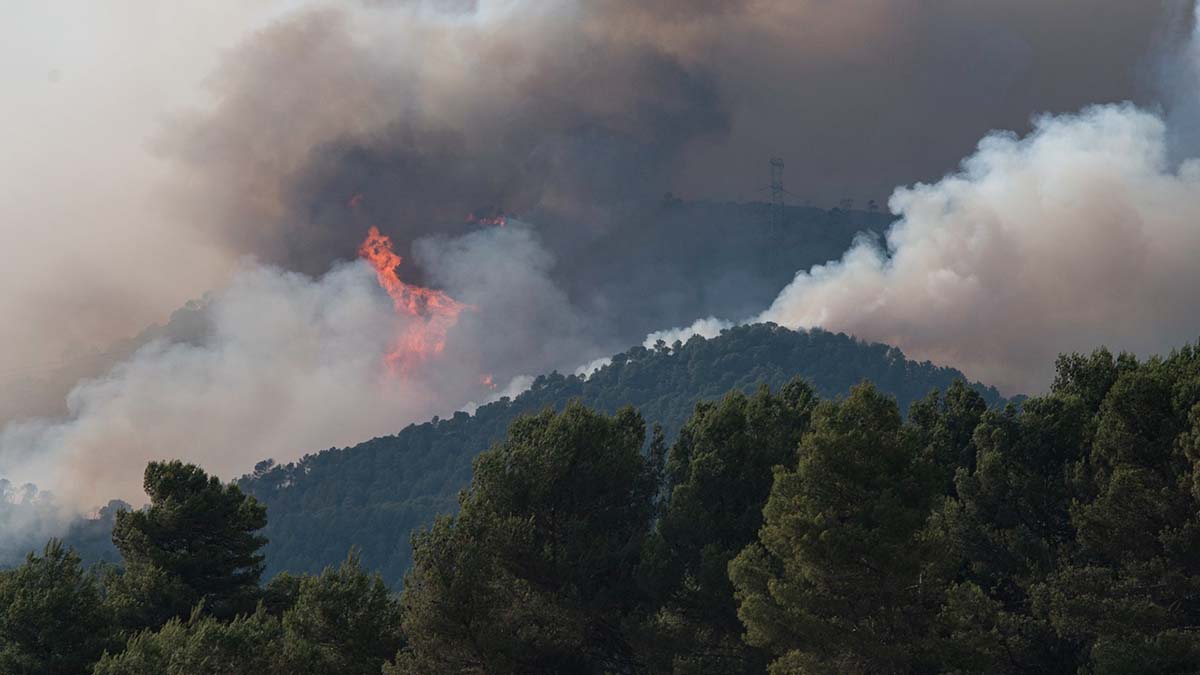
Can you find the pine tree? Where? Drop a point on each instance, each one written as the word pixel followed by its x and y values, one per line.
pixel 196 542
pixel 52 618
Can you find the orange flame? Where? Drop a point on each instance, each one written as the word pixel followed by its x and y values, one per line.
pixel 490 216
pixel 486 381
pixel 434 312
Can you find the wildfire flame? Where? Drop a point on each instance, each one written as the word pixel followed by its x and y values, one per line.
pixel 433 312
pixel 489 216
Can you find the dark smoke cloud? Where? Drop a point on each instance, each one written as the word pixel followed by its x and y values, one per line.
pixel 1081 233
pixel 162 151
pixel 263 119
pixel 579 117
pixel 863 96
pixel 576 111
pixel 311 116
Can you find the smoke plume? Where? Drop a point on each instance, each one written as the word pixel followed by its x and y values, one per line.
pixel 150 149
pixel 575 114
pixel 1081 234
pixel 289 363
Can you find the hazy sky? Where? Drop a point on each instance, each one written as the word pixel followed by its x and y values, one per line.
pixel 86 255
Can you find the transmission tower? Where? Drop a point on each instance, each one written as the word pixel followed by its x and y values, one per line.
pixel 775 214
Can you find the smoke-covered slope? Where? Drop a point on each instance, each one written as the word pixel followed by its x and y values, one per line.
pixel 699 258
pixel 374 494
pixel 275 363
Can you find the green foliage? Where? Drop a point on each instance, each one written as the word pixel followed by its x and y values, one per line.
pixel 375 494
pixel 1077 526
pixel 202 645
pixel 538 572
pixel 344 621
pixel 196 542
pixel 718 479
pixel 280 594
pixel 52 619
pixel 947 426
pixel 843 580
pixel 1131 583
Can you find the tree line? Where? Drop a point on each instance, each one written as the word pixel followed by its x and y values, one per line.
pixel 778 532
pixel 374 494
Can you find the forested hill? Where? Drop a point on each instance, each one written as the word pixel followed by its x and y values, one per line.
pixel 700 257
pixel 374 494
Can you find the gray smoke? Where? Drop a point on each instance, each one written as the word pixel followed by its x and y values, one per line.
pixel 579 116
pixel 575 114
pixel 1084 232
pixel 1081 234
pixel 288 364
pixel 147 152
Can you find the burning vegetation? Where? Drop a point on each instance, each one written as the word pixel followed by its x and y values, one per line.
pixel 432 313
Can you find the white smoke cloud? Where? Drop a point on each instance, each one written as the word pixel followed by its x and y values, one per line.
pixel 290 364
pixel 1081 234
pixel 520 321
pixel 709 327
pixel 588 369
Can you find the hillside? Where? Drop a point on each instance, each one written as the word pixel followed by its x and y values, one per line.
pixel 374 494
pixel 666 264
pixel 718 258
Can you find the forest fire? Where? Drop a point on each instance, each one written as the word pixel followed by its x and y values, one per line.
pixel 490 216
pixel 433 312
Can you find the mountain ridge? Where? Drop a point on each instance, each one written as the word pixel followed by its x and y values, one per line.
pixel 373 495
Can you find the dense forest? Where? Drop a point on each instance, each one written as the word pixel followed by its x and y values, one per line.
pixel 778 532
pixel 375 494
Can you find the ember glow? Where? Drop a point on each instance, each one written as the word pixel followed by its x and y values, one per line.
pixel 490 216
pixel 432 313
